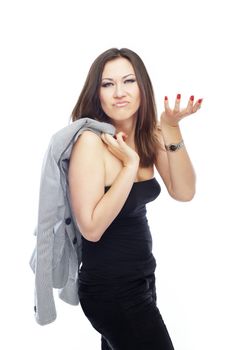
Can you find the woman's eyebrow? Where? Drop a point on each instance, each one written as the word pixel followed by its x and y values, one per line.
pixel 122 77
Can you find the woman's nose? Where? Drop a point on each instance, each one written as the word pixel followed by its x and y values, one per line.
pixel 119 91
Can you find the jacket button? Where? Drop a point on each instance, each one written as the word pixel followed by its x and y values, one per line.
pixel 75 240
pixel 68 221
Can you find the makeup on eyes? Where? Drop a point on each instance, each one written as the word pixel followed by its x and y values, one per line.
pixel 106 84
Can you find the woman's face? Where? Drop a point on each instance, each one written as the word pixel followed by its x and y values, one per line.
pixel 119 91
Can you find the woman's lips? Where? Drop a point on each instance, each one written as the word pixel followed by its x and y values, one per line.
pixel 121 104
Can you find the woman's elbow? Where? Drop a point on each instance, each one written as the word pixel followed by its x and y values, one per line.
pixel 87 232
pixel 90 236
pixel 184 196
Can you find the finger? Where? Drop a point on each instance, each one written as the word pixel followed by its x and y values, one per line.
pixel 117 140
pixel 110 139
pixel 107 138
pixel 189 108
pixel 177 103
pixel 197 105
pixel 121 136
pixel 166 104
pixel 102 136
pixel 190 102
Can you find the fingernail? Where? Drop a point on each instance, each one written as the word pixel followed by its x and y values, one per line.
pixel 191 98
pixel 200 100
pixel 178 96
pixel 165 98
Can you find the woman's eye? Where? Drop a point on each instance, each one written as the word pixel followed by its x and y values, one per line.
pixel 130 80
pixel 126 81
pixel 106 84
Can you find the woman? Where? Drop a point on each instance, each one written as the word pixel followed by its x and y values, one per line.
pixel 111 179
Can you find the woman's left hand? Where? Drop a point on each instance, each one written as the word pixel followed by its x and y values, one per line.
pixel 172 117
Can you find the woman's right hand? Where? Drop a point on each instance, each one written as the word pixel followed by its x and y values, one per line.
pixel 119 148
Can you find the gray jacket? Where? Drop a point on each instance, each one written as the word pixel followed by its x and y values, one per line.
pixel 57 254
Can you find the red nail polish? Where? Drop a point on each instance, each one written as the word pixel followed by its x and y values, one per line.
pixel 200 100
pixel 178 96
pixel 191 98
pixel 165 98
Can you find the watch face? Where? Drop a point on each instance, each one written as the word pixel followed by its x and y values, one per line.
pixel 173 147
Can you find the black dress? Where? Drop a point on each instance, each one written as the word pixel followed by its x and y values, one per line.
pixel 117 282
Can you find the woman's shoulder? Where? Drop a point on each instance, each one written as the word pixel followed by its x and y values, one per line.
pixel 88 144
pixel 89 138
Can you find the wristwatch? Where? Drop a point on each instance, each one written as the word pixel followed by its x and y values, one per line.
pixel 174 146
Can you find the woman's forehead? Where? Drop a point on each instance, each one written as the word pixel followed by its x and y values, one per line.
pixel 117 68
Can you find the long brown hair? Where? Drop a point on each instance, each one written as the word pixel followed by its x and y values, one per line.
pixel 88 104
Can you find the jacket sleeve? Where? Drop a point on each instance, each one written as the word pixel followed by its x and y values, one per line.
pixel 45 311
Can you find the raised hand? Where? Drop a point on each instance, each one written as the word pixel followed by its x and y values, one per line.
pixel 172 117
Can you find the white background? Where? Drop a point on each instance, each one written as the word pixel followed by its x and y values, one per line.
pixel 47 48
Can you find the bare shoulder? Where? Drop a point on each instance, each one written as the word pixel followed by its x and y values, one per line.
pixel 88 139
pixel 87 156
pixel 88 145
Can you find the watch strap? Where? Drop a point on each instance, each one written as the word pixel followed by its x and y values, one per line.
pixel 172 147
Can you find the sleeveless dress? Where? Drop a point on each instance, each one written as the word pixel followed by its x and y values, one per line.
pixel 116 279
pixel 124 252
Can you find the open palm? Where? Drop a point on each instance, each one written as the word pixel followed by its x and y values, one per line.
pixel 172 117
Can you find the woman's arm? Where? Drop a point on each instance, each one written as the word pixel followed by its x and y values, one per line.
pixel 176 168
pixel 94 209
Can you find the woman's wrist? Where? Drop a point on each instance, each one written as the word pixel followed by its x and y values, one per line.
pixel 164 124
pixel 170 134
pixel 132 164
